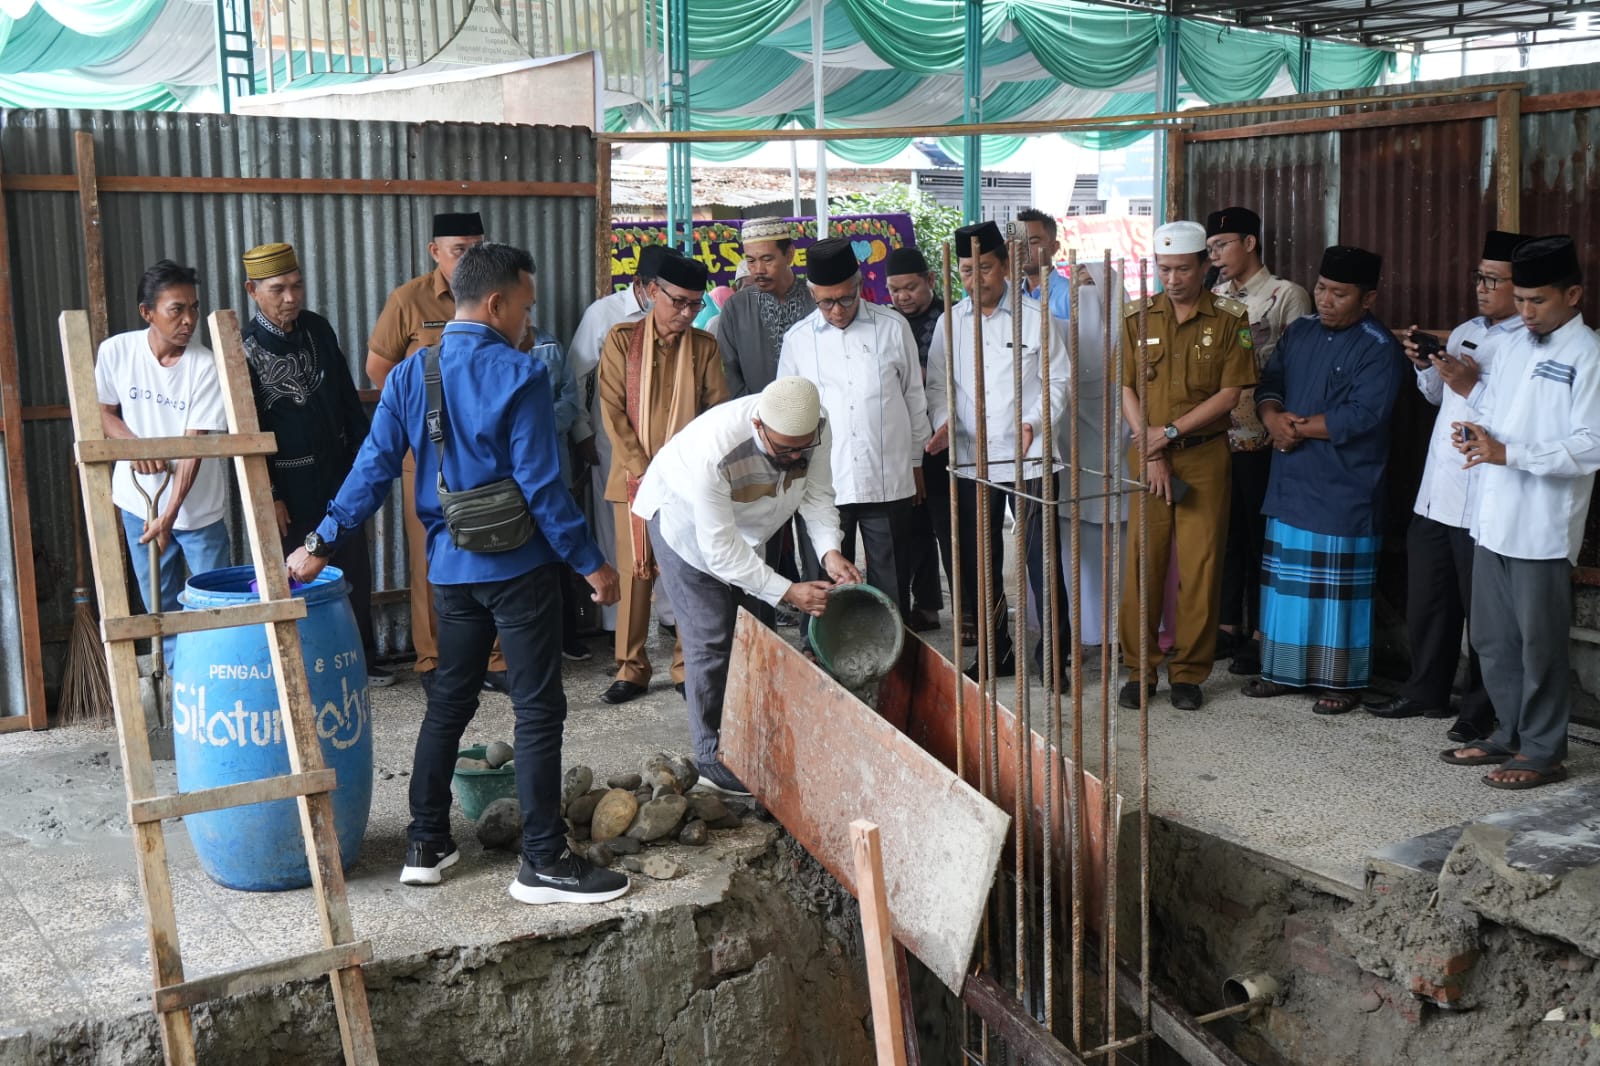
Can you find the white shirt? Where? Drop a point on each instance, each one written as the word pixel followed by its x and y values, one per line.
pixel 1543 403
pixel 871 386
pixel 164 401
pixel 1090 459
pixel 583 355
pixel 1448 493
pixel 720 498
pixel 1000 415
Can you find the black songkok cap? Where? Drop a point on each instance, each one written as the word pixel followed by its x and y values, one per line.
pixel 905 261
pixel 1545 261
pixel 831 262
pixel 1240 220
pixel 989 239
pixel 650 261
pixel 675 268
pixel 1500 246
pixel 1351 266
pixel 458 224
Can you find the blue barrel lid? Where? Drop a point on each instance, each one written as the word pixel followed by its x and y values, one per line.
pixel 230 587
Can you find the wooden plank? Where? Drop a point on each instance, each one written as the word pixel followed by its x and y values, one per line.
pixel 602 220
pixel 248 979
pixel 144 626
pixel 1395 116
pixel 805 747
pixel 15 723
pixel 908 1013
pixel 210 446
pixel 94 260
pixel 1508 161
pixel 888 1032
pixel 294 693
pixel 111 587
pixel 264 790
pixel 1577 100
pixel 1031 1043
pixel 1177 174
pixel 17 486
pixel 133 183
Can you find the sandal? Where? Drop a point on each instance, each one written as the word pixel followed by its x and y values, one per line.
pixel 1454 757
pixel 969 634
pixel 1260 688
pixel 1336 703
pixel 1535 779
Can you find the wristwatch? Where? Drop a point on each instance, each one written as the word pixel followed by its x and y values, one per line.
pixel 1171 431
pixel 316 546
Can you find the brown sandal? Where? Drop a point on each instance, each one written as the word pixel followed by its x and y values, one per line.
pixel 1454 757
pixel 1336 703
pixel 1261 689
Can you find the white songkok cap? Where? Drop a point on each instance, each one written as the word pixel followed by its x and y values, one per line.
pixel 1178 238
pixel 766 229
pixel 790 407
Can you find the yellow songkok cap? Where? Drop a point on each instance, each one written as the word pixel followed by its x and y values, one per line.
pixel 269 260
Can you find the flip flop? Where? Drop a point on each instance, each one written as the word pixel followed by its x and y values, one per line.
pixel 1261 689
pixel 1451 756
pixel 1540 777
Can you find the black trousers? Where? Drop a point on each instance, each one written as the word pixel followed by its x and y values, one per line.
pixel 1438 603
pixel 354 558
pixel 929 543
pixel 1030 516
pixel 883 528
pixel 1247 535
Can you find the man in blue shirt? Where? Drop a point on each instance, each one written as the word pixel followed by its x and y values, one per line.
pixel 1042 248
pixel 497 424
pixel 1325 399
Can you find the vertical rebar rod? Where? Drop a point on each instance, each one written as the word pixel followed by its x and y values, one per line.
pixel 988 773
pixel 1020 520
pixel 1049 614
pixel 957 654
pixel 1144 761
pixel 1075 821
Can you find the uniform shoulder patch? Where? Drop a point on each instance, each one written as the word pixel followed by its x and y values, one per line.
pixel 1133 305
pixel 1233 307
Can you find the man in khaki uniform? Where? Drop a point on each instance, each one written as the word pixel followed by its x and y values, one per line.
pixel 413 317
pixel 1201 357
pixel 657 374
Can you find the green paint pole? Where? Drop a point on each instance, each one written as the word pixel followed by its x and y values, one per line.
pixel 1305 65
pixel 680 174
pixel 972 111
pixel 1167 68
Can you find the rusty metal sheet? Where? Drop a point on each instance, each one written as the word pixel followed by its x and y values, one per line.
pixel 818 758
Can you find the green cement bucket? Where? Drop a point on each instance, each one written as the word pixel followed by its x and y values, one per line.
pixel 476 789
pixel 859 637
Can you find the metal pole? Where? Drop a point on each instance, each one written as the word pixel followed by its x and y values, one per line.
pixel 957 650
pixel 799 208
pixel 1075 781
pixel 1167 61
pixel 989 773
pixel 1144 617
pixel 1049 613
pixel 817 7
pixel 1022 734
pixel 972 111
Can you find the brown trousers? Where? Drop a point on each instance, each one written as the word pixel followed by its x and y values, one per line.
pixel 1199 525
pixel 424 623
pixel 633 613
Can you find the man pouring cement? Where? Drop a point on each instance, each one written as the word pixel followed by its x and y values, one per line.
pixel 713 495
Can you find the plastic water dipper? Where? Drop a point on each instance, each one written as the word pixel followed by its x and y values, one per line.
pixel 859 637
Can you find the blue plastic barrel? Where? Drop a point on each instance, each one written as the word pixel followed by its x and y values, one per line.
pixel 227 729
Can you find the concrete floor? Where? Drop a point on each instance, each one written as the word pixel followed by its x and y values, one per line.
pixel 1312 793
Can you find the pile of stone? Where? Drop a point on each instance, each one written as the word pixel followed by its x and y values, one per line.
pixel 615 823
pixel 496 756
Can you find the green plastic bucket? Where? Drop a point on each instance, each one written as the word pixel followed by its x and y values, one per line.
pixel 476 789
pixel 859 637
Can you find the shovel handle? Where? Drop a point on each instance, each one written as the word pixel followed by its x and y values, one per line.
pixel 152 509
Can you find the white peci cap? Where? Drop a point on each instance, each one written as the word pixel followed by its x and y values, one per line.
pixel 790 407
pixel 1178 238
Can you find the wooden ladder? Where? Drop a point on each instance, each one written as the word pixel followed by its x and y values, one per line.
pixel 309 782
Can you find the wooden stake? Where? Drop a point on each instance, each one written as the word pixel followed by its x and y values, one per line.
pixel 887 1025
pixel 1508 160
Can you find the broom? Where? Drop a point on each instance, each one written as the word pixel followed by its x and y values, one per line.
pixel 85 683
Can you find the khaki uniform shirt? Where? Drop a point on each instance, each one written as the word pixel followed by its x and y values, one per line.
pixel 711 388
pixel 1191 362
pixel 1273 303
pixel 413 316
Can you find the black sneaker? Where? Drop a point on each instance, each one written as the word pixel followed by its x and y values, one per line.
pixel 495 681
pixel 567 880
pixel 719 778
pixel 378 677
pixel 427 860
pixel 575 650
pixel 669 628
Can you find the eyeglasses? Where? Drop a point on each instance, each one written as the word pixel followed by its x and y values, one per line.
pixel 681 304
pixel 845 302
pixel 1216 247
pixel 1486 281
pixel 786 453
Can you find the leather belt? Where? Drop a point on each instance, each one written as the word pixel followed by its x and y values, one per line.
pixel 1180 443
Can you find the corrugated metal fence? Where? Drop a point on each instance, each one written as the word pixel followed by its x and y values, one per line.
pixel 357 239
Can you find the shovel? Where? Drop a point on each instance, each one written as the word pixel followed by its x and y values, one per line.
pixel 155 697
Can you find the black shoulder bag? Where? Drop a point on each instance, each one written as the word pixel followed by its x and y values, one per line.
pixel 489 518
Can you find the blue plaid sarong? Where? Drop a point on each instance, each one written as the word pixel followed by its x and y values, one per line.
pixel 1316 608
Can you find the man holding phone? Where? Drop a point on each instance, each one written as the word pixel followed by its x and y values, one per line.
pixel 1195 358
pixel 1439 540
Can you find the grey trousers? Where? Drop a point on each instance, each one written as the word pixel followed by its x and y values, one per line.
pixel 707 609
pixel 1521 615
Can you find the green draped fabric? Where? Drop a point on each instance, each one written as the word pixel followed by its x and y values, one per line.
pixel 37 42
pixel 1227 65
pixel 723 27
pixel 871 151
pixel 996 148
pixel 837 32
pixel 70 91
pixel 103 18
pixel 1111 140
pixel 1087 46
pixel 1345 66
pixel 926 36
pixel 733 81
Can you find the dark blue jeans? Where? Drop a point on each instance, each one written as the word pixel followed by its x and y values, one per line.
pixel 526 613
